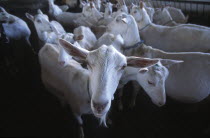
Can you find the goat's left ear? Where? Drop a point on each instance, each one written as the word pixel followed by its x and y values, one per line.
pixel 2 9
pixel 73 50
pixel 29 16
pixel 168 62
pixel 140 62
pixel 39 11
pixel 141 5
pixel 125 20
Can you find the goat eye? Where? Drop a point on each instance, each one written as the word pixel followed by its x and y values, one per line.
pixel 151 83
pixel 135 11
pixel 39 21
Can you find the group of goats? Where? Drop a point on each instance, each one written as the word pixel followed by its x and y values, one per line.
pixel 108 49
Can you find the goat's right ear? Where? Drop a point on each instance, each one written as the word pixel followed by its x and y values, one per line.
pixel 29 16
pixel 73 50
pixel 139 62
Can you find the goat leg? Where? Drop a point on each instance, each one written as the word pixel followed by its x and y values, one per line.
pixel 136 89
pixel 120 94
pixel 80 122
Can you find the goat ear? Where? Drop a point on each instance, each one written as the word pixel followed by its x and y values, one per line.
pixel 141 5
pixel 83 3
pixel 39 11
pixel 29 16
pixel 125 20
pixel 2 9
pixel 168 62
pixel 140 62
pixel 73 50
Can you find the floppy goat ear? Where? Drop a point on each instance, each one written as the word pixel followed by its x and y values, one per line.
pixel 169 62
pixel 125 20
pixel 73 50
pixel 140 62
pixel 29 16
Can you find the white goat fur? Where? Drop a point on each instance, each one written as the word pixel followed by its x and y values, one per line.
pixel 181 38
pixel 125 25
pixel 14 27
pixel 188 81
pixel 156 75
pixel 88 37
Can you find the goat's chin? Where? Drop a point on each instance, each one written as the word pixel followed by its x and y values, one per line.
pixel 159 104
pixel 99 115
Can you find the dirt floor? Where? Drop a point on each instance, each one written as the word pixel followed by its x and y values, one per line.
pixel 27 109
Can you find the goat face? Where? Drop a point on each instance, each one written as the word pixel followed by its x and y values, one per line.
pixel 136 12
pixel 106 66
pixel 153 82
pixel 41 21
pixel 4 16
pixel 119 25
pixel 126 26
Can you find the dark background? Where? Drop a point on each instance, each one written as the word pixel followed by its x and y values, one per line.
pixel 27 109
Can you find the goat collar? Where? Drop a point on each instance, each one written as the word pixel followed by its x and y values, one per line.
pixel 134 46
pixel 144 27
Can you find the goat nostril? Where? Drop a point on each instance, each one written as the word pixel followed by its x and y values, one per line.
pixel 160 103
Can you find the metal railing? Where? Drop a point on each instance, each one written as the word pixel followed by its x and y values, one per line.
pixel 190 7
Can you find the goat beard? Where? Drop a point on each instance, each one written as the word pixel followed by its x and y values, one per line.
pixel 103 120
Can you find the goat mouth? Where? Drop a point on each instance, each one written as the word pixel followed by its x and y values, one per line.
pixel 99 115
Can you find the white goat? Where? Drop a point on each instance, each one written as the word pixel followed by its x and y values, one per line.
pixel 85 37
pixel 90 17
pixel 14 27
pixel 125 25
pixel 107 15
pixel 177 15
pixel 65 18
pixel 161 17
pixel 181 38
pixel 121 9
pixel 97 85
pixel 42 25
pixel 188 81
pixel 152 79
